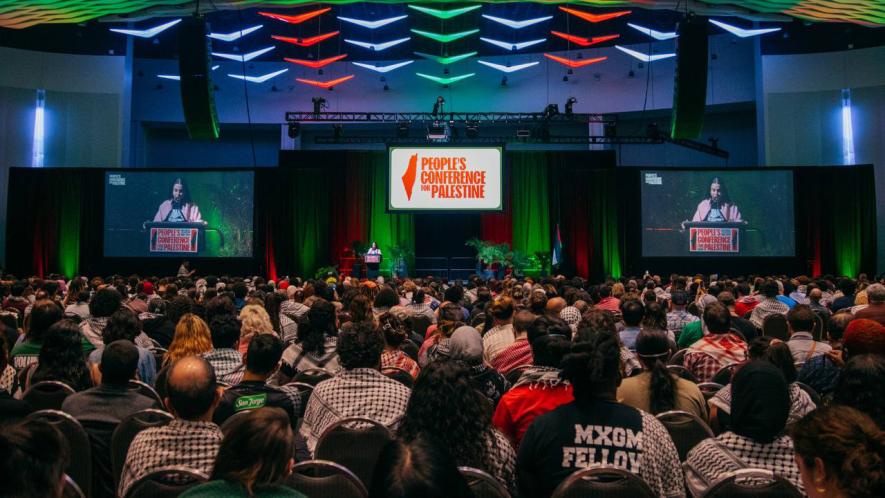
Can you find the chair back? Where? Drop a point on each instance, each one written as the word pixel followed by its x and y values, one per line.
pixel 355 443
pixel 166 482
pixel 686 429
pixel 515 373
pixel 775 326
pixel 811 393
pixel 678 357
pixel 324 479
pixel 305 391
pixel 399 375
pixel 752 483
pixel 48 394
pixel 145 390
pixel 482 484
pixel 603 481
pixel 819 332
pixel 709 389
pixel 682 372
pixel 312 376
pixel 80 462
pixel 71 490
pixel 724 375
pixel 126 431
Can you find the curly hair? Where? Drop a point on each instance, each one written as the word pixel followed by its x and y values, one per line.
pixel 105 302
pixel 320 324
pixel 861 385
pixel 61 357
pixel 254 320
pixel 43 315
pixel 445 407
pixel 595 322
pixel 360 309
pixel 360 346
pixel 123 324
pixel 594 364
pixel 192 337
pixel 849 443
pixel 219 305
pixel 177 307
pixel 393 328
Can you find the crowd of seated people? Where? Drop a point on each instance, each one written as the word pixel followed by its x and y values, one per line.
pixel 526 380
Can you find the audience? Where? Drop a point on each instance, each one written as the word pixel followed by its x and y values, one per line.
pixel 678 318
pixel 876 309
pixel 540 388
pixel 632 312
pixel 445 409
pixel 596 429
pixel 821 372
pixel 192 337
pixel 192 439
pixel 225 356
pixel 760 406
pixel 61 358
pixel 316 344
pixel 840 453
pixel 862 386
pixel 769 305
pixel 105 302
pixel 124 324
pixel 518 353
pixel 739 324
pixel 847 287
pixel 720 348
pixel 656 389
pixel 501 335
pixel 33 457
pixel 262 361
pixel 255 458
pixel 43 315
pixel 395 335
pixel 465 345
pixel 254 320
pixel 801 321
pixel 360 390
pixel 419 469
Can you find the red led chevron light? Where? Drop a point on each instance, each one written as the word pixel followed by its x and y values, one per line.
pixel 316 64
pixel 325 84
pixel 589 16
pixel 305 42
pixel 300 18
pixel 584 42
pixel 577 63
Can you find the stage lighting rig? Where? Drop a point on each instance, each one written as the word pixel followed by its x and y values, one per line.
pixel 551 110
pixel 569 106
pixel 438 106
pixel 472 129
pixel 319 104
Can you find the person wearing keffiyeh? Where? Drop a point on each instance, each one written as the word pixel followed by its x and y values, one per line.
pixel 760 405
pixel 718 349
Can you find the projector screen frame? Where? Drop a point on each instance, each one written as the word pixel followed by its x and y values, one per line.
pixel 394 145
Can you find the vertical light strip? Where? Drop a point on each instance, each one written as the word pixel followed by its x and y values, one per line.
pixel 39 130
pixel 847 129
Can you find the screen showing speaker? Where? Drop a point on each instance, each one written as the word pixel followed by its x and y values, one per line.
pixel 178 214
pixel 445 179
pixel 738 213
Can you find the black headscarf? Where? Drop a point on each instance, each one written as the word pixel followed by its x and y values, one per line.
pixel 760 401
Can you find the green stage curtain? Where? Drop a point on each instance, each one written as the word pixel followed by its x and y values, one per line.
pixel 605 224
pixel 310 207
pixel 529 202
pixel 387 229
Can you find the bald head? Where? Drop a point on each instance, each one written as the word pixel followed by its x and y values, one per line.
pixel 555 305
pixel 191 392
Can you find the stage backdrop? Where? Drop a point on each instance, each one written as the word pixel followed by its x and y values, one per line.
pixel 308 210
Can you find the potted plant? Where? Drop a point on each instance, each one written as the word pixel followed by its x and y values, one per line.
pixel 519 262
pixel 399 260
pixel 485 256
pixel 544 259
pixel 325 272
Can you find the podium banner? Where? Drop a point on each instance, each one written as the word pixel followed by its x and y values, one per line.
pixel 370 258
pixel 174 240
pixel 714 240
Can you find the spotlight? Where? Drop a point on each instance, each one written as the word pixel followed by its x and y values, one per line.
pixel 472 129
pixel 438 105
pixel 437 132
pixel 319 103
pixel 551 110
pixel 294 130
pixel 565 78
pixel 569 106
pixel 386 88
pixel 504 80
pixel 402 129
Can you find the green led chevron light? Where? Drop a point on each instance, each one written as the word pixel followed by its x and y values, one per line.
pixel 446 81
pixel 445 14
pixel 445 38
pixel 446 60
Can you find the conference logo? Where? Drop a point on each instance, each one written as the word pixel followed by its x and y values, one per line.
pixel 447 177
pixel 428 178
pixel 409 175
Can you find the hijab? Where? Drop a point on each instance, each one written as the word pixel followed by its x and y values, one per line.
pixel 465 345
pixel 760 402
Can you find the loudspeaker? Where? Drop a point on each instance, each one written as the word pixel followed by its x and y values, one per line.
pixel 690 81
pixel 197 99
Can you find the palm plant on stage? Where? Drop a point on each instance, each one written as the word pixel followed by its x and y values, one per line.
pixel 489 254
pixel 399 259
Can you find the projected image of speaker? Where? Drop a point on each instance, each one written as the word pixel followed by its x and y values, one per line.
pixel 197 99
pixel 690 82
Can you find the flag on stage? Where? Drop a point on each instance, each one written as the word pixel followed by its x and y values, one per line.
pixel 557 248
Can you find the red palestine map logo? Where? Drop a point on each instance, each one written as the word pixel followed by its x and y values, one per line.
pixel 410 174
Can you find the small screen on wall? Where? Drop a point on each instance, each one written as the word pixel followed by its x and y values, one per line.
pixel 738 213
pixel 175 214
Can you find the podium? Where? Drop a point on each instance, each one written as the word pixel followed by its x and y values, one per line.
pixel 164 238
pixel 373 265
pixel 714 237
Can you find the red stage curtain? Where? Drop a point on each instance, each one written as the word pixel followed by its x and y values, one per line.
pixel 350 206
pixel 498 227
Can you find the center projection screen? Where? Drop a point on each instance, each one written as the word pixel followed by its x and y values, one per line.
pixel 205 214
pixel 445 179
pixel 705 213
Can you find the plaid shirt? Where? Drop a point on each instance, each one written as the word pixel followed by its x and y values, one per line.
pixel 496 340
pixel 713 458
pixel 398 359
pixel 181 442
pixel 705 357
pixel 360 392
pixel 678 319
pixel 768 306
pixel 821 374
pixel 228 365
pixel 517 354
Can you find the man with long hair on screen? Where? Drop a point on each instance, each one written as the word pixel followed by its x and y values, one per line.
pixel 179 208
pixel 717 206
